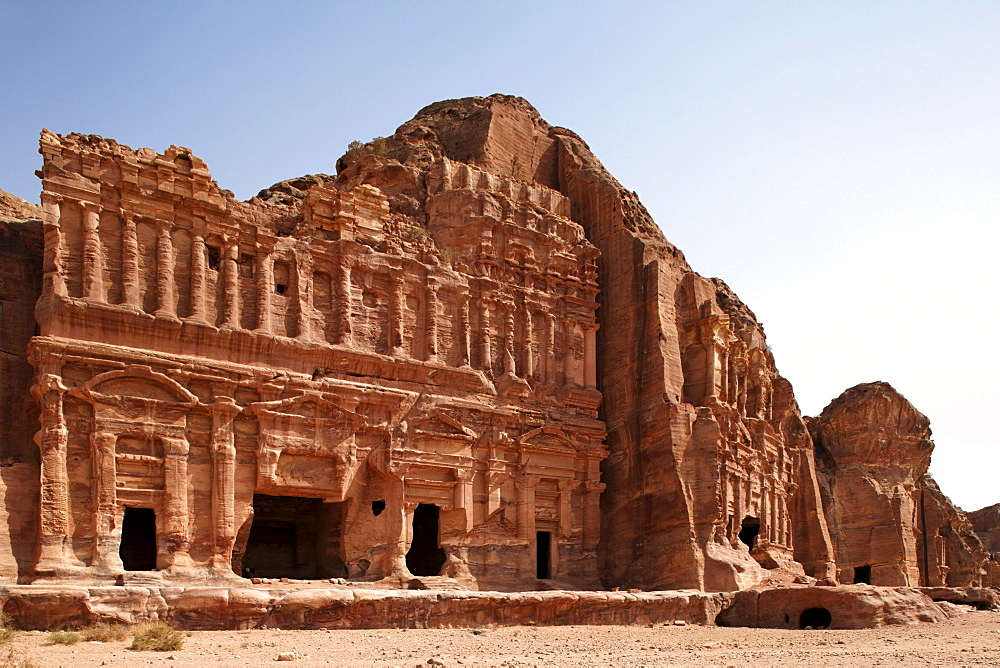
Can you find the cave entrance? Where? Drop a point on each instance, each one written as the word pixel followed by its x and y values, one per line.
pixel 425 556
pixel 138 545
pixel 293 537
pixel 815 618
pixel 863 575
pixel 749 530
pixel 543 555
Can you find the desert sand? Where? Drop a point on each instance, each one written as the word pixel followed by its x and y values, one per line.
pixel 971 639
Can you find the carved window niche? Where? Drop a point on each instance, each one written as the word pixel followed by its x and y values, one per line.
pixel 139 463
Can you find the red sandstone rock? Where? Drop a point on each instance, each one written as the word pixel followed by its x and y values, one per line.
pixel 845 607
pixel 20 286
pixel 986 522
pixel 890 523
pixel 469 359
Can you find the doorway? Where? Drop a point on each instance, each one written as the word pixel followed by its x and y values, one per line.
pixel 749 531
pixel 543 555
pixel 293 537
pixel 138 545
pixel 863 575
pixel 425 556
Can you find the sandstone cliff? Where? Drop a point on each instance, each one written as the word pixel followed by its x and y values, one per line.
pixel 20 285
pixel 986 522
pixel 890 523
pixel 710 458
pixel 471 353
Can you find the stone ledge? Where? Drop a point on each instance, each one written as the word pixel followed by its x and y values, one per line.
pixel 219 608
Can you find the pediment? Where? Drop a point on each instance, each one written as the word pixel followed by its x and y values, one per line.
pixel 307 406
pixel 547 437
pixel 439 424
pixel 136 381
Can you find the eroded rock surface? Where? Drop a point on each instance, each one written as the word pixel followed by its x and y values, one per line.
pixel 890 523
pixel 470 359
pixel 20 286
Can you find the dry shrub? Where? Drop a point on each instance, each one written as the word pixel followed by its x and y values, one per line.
pixel 105 632
pixel 157 637
pixel 64 637
pixel 7 631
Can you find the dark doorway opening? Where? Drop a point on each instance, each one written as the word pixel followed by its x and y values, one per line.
pixel 749 531
pixel 816 618
pixel 138 546
pixel 543 555
pixel 863 575
pixel 292 537
pixel 425 556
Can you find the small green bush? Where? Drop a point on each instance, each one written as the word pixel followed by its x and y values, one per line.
pixel 105 632
pixel 64 637
pixel 157 637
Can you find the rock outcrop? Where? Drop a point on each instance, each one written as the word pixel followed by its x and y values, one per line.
pixel 890 523
pixel 468 359
pixel 20 286
pixel 986 522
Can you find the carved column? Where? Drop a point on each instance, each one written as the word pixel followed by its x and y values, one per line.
pixel 265 284
pixel 592 513
pixel 590 356
pixel 525 485
pixel 164 273
pixel 231 285
pixel 131 293
pixel 431 310
pixel 199 283
pixel 107 537
pixel 508 340
pixel 396 313
pixel 566 487
pixel 175 501
pixel 344 302
pixel 527 355
pixel 485 354
pixel 463 496
pixel 569 356
pixel 724 375
pixel 224 409
pixel 52 260
pixel 737 509
pixel 93 257
pixel 463 330
pixel 304 293
pixel 551 374
pixel 52 441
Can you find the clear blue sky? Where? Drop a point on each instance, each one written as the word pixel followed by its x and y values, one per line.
pixel 837 163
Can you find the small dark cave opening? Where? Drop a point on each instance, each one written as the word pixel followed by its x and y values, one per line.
pixel 815 618
pixel 749 530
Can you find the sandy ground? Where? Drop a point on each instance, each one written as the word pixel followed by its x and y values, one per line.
pixel 972 639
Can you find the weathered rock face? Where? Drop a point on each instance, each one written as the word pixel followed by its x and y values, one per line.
pixel 889 521
pixel 20 285
pixel 705 437
pixel 397 371
pixel 314 383
pixel 986 522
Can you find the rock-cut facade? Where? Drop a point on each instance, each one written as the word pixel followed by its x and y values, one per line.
pixel 468 359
